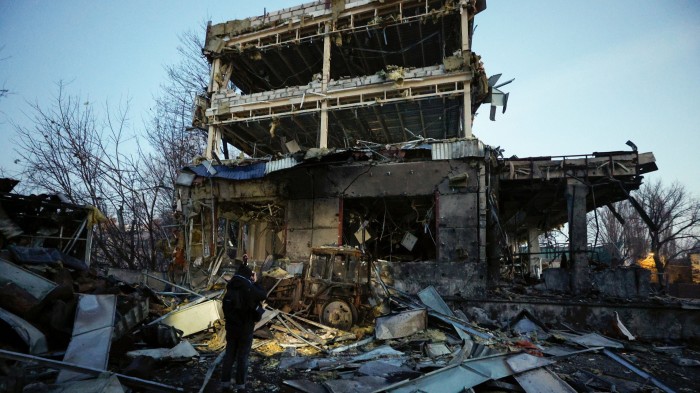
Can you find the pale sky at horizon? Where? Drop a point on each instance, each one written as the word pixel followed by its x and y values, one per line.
pixel 588 75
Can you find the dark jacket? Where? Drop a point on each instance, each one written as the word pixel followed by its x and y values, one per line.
pixel 242 304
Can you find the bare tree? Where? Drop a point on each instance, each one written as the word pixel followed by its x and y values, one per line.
pixel 675 215
pixel 70 149
pixel 620 231
pixel 170 132
pixel 3 90
pixel 74 149
pixel 174 142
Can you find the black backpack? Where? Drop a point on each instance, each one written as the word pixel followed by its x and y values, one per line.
pixel 233 299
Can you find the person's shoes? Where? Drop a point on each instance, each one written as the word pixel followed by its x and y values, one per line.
pixel 225 386
pixel 240 388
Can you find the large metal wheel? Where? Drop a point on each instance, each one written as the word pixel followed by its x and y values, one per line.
pixel 338 314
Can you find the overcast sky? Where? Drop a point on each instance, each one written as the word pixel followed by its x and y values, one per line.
pixel 588 75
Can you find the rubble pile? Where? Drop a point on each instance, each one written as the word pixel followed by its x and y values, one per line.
pixel 76 330
pixel 332 324
pixel 427 347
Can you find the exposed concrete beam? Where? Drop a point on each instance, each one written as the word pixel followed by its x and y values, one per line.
pixel 596 165
pixel 430 82
pixel 356 15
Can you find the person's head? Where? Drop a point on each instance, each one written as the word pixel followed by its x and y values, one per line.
pixel 244 271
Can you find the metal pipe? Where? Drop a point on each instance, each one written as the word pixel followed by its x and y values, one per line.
pixel 127 380
pixel 637 371
pixel 175 285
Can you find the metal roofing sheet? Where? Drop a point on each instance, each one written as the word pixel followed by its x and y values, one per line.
pixel 278 165
pixel 243 172
pixel 457 149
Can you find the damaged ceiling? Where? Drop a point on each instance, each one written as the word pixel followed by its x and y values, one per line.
pixel 532 191
pixel 273 66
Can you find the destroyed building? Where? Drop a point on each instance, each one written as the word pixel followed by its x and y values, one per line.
pixel 354 123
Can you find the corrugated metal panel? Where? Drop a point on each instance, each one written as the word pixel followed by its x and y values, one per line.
pixel 278 165
pixel 457 149
pixel 241 172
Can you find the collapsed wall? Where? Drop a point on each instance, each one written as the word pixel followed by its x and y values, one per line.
pixel 400 212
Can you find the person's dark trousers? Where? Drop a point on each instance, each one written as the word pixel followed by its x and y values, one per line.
pixel 237 349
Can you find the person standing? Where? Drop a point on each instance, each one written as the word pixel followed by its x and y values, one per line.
pixel 242 309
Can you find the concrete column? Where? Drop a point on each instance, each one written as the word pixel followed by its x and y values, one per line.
pixel 533 246
pixel 483 212
pixel 467 118
pixel 576 192
pixel 214 135
pixel 493 236
pixel 325 78
pixel 467 115
pixel 213 142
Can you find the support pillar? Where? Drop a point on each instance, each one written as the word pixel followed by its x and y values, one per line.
pixel 325 77
pixel 494 249
pixel 533 247
pixel 483 212
pixel 215 83
pixel 576 192
pixel 467 113
pixel 213 142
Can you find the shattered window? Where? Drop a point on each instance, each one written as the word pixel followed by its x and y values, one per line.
pixel 319 264
pixel 362 271
pixel 341 269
